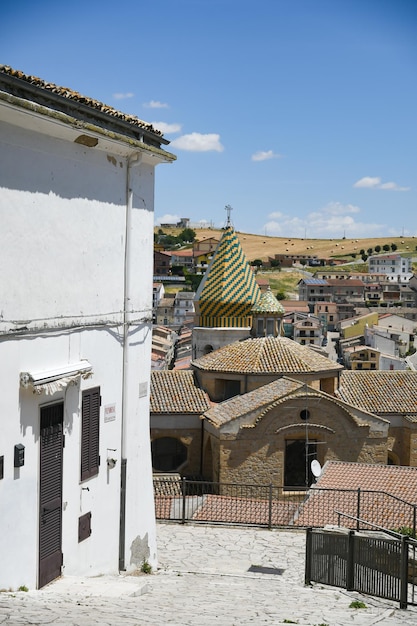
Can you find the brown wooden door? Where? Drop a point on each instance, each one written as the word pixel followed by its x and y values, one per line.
pixel 50 496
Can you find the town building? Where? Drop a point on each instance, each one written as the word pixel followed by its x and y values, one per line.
pixel 394 266
pixel 77 197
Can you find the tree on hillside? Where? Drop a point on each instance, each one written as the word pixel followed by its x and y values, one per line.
pixel 393 247
pixel 385 247
pixel 187 235
pixel 377 248
pixel 257 263
pixel 281 295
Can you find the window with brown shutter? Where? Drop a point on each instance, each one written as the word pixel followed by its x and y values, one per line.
pixel 90 431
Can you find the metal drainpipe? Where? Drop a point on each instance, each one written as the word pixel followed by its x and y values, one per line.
pixel 132 161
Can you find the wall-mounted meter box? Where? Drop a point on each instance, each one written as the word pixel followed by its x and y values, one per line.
pixel 19 455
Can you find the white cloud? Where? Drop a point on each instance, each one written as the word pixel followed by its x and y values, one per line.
pixel 393 187
pixel 368 181
pixel 167 129
pixel 123 96
pixel 197 142
pixel 265 155
pixel 335 220
pixel 374 182
pixel 167 219
pixel 155 104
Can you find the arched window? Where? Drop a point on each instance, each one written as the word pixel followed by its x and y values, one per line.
pixel 168 454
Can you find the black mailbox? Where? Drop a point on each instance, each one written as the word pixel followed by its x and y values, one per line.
pixel 19 455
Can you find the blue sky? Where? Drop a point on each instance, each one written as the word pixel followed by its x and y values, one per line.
pixel 300 114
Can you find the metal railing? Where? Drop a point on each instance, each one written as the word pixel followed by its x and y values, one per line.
pixel 183 500
pixel 375 564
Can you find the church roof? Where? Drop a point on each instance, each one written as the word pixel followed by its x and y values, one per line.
pixel 268 303
pixel 251 402
pixel 266 355
pixel 381 392
pixel 228 290
pixel 175 391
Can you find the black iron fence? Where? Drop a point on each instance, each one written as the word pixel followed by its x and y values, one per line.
pixel 374 564
pixel 185 500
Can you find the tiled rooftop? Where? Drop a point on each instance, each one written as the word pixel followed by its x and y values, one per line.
pixel 69 94
pixel 381 392
pixel 387 493
pixel 174 391
pixel 264 355
pixel 251 402
pixel 400 481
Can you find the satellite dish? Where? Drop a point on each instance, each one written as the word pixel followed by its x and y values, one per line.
pixel 316 468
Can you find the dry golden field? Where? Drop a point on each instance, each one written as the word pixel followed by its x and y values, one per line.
pixel 262 247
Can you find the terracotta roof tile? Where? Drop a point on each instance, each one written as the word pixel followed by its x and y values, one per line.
pixel 264 355
pixel 386 497
pixel 381 392
pixel 69 94
pixel 251 402
pixel 174 391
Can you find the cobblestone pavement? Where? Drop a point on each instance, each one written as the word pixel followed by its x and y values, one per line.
pixel 207 575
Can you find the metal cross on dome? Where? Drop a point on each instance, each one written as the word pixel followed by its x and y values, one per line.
pixel 229 209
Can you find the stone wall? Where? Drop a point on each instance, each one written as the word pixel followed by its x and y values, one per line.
pixel 257 454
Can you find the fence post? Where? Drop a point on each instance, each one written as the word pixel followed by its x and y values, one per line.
pixel 309 557
pixel 184 487
pixel 404 573
pixel 358 509
pixel 270 507
pixel 350 562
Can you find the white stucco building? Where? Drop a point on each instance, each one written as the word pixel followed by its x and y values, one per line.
pixel 393 266
pixel 76 251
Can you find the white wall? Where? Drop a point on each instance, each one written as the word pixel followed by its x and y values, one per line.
pixel 62 253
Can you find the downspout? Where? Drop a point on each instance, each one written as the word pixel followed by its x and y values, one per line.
pixel 132 161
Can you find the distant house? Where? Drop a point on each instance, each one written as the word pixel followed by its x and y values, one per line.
pixel 183 258
pixel 158 292
pixel 395 267
pixel 308 330
pixel 361 358
pixel 161 263
pixel 184 308
pixel 77 192
pixel 165 311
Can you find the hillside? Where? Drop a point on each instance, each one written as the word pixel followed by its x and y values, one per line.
pixel 262 247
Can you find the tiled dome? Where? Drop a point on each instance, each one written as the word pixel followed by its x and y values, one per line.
pixel 268 304
pixel 228 290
